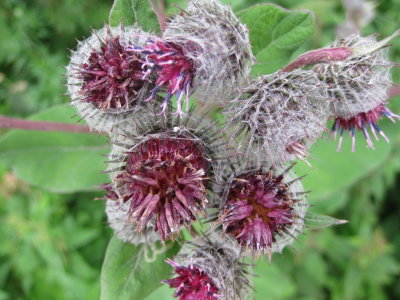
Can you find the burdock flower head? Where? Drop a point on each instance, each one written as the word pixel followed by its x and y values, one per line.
pixel 210 268
pixel 278 116
pixel 105 81
pixel 164 172
pixel 263 209
pixel 217 45
pixel 118 219
pixel 174 71
pixel 357 87
pixel 192 283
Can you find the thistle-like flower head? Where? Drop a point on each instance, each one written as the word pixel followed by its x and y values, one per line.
pixel 164 172
pixel 278 116
pixel 105 81
pixel 216 44
pixel 174 71
pixel 192 283
pixel 112 77
pixel 165 176
pixel 210 267
pixel 263 209
pixel 357 87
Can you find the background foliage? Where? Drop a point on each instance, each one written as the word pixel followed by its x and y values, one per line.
pixel 54 236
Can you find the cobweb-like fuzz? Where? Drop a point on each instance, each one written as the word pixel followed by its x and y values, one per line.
pixel 357 88
pixel 105 81
pixel 210 268
pixel 218 46
pixel 278 116
pixel 263 209
pixel 165 172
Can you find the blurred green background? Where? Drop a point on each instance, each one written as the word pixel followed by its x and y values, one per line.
pixel 52 244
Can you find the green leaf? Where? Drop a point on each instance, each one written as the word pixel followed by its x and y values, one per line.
pixel 60 162
pixel 164 293
pixel 271 282
pixel 130 12
pixel 275 33
pixel 128 273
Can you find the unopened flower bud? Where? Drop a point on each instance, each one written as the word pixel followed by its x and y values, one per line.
pixel 279 116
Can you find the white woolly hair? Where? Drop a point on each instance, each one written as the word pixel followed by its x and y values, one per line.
pixel 274 112
pixel 98 119
pixel 218 44
pixel 359 83
pixel 295 189
pixel 220 258
pixel 193 127
pixel 118 219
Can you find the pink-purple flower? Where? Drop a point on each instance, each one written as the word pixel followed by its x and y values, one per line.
pixel 112 77
pixel 259 206
pixel 362 122
pixel 192 283
pixel 165 180
pixel 173 70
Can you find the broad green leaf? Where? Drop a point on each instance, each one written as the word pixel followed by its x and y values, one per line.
pixel 60 162
pixel 171 5
pixel 271 282
pixel 129 12
pixel 315 266
pixel 164 293
pixel 275 33
pixel 134 272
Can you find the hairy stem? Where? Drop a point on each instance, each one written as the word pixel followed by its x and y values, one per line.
pixel 158 7
pixel 7 122
pixel 317 56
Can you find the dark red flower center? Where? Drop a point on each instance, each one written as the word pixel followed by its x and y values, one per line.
pixel 165 179
pixel 192 283
pixel 362 122
pixel 112 77
pixel 258 208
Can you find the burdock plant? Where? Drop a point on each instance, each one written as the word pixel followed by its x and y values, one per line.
pixel 164 171
pixel 263 208
pixel 105 81
pixel 200 145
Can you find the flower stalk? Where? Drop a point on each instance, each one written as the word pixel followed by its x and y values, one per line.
pixel 15 123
